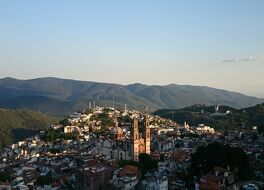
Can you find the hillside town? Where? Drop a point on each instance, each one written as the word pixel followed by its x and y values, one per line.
pixel 106 148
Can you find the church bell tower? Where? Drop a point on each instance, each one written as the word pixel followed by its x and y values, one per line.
pixel 147 135
pixel 135 140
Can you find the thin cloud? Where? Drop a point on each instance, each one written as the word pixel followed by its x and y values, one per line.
pixel 246 59
pixel 231 60
pixel 260 80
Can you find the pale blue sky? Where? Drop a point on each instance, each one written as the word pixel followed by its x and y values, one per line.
pixel 217 43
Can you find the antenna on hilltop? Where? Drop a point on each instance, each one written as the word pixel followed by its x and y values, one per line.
pixel 145 109
pixel 90 105
pixel 113 98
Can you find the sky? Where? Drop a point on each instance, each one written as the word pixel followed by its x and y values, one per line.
pixel 208 42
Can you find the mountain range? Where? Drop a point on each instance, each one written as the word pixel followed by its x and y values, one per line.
pixel 63 96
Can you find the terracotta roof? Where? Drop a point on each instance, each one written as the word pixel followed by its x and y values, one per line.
pixel 209 182
pixel 97 169
pixel 90 162
pixel 128 170
pixel 172 133
pixel 209 186
pixel 113 163
pixel 180 155
pixel 210 177
pixel 5 183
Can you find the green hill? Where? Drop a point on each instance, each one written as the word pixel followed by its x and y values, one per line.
pixel 197 114
pixel 19 124
pixel 64 96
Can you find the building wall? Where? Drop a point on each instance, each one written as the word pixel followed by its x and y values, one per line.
pixel 131 185
pixel 135 140
pixel 84 182
pixel 147 135
pixel 158 184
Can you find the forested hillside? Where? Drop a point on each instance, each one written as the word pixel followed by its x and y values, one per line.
pixel 18 124
pixel 235 118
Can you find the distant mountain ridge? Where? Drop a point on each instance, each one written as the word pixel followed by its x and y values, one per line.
pixel 61 96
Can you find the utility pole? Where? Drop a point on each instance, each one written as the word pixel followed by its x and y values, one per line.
pixel 113 98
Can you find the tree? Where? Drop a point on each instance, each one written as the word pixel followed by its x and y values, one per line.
pixel 54 150
pixel 5 176
pixel 88 111
pixel 70 136
pixel 44 180
pixel 104 118
pixel 52 135
pixel 65 122
pixel 217 154
pixel 125 119
pixel 146 163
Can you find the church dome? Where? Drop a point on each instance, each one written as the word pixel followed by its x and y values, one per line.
pixel 117 132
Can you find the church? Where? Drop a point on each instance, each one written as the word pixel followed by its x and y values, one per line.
pixel 121 147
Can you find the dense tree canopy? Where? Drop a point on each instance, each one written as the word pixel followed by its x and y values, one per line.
pixel 57 134
pixel 217 154
pixel 4 176
pixel 146 163
pixel 44 180
pixel 193 115
pixel 104 118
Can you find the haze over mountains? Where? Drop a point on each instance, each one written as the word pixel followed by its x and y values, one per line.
pixel 62 96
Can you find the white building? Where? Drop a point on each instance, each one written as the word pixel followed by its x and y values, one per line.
pixel 116 149
pixel 155 183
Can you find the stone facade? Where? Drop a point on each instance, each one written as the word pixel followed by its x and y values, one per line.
pixel 128 149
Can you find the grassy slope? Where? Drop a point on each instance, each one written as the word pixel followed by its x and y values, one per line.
pixel 25 120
